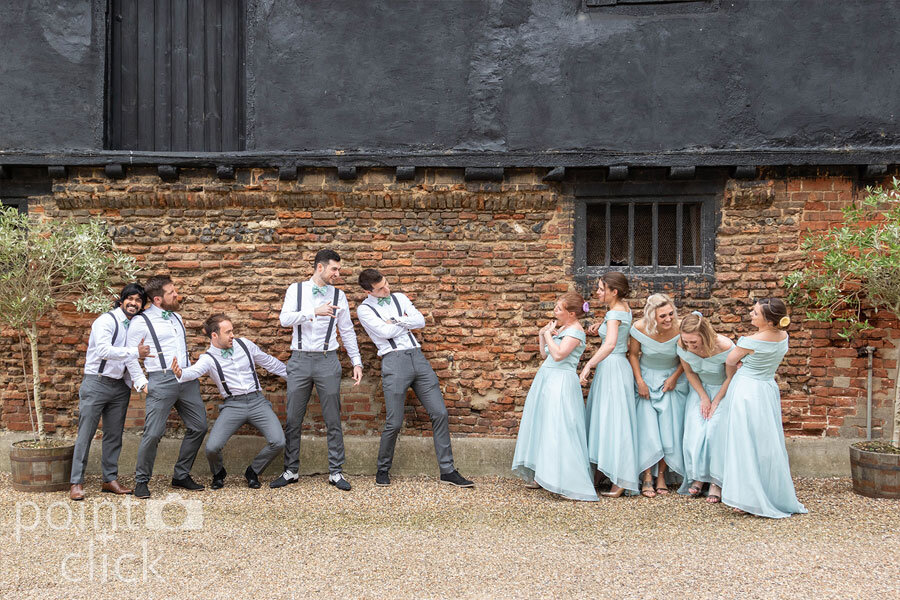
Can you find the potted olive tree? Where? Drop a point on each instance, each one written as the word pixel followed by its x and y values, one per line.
pixel 42 263
pixel 854 266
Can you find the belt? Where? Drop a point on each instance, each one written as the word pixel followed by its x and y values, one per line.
pixel 322 352
pixel 402 351
pixel 247 396
pixel 105 378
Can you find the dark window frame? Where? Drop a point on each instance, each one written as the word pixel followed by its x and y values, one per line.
pixel 704 193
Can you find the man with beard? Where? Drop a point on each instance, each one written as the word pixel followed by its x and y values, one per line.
pixel 105 390
pixel 166 329
pixel 312 309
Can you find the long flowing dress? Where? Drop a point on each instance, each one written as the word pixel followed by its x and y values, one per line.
pixel 660 418
pixel 551 447
pixel 612 424
pixel 704 439
pixel 756 476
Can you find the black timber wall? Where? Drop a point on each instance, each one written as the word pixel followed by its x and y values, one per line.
pixel 412 76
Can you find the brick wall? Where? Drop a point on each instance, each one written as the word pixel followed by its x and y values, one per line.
pixel 483 261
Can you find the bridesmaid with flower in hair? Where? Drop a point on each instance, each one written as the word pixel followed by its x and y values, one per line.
pixel 702 352
pixel 756 476
pixel 612 424
pixel 661 392
pixel 551 448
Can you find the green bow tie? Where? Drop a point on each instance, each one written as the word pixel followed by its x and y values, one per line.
pixel 319 291
pixel 227 352
pixel 384 301
pixel 166 314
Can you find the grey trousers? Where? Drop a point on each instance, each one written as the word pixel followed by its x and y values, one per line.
pixel 400 370
pixel 166 392
pixel 324 370
pixel 99 397
pixel 250 408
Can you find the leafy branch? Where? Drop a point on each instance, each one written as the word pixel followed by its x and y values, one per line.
pixel 855 265
pixel 44 262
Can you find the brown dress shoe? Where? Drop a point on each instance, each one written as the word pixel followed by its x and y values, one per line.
pixel 76 492
pixel 114 487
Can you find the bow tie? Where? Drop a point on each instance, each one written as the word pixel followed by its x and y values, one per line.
pixel 319 291
pixel 227 352
pixel 384 301
pixel 166 314
pixel 126 323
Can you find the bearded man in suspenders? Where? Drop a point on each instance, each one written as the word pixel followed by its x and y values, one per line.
pixel 105 390
pixel 315 310
pixel 165 330
pixel 231 364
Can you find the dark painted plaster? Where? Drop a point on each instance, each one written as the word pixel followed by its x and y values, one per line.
pixel 52 57
pixel 501 76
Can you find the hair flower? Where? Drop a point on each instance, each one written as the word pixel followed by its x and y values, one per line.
pixel 698 313
pixel 785 321
pixel 586 307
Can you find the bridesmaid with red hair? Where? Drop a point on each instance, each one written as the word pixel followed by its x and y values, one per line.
pixel 551 448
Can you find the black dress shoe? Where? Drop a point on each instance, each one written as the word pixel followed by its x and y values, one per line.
pixel 284 479
pixel 454 478
pixel 341 484
pixel 218 481
pixel 141 490
pixel 382 478
pixel 252 479
pixel 186 483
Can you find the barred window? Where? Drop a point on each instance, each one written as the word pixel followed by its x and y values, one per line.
pixel 646 229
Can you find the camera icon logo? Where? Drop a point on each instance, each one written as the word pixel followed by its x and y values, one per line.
pixel 183 514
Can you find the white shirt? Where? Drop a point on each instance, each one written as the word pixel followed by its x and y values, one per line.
pixel 382 333
pixel 102 346
pixel 314 328
pixel 171 335
pixel 237 368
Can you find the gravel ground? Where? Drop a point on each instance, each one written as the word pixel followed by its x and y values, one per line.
pixel 420 539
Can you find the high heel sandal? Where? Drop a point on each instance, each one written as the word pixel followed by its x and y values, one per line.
pixel 612 494
pixel 647 490
pixel 696 489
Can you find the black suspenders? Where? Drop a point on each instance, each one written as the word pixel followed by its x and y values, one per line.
pixel 299 303
pixel 412 338
pixel 113 342
pixel 159 352
pixel 222 373
pixel 330 323
pixel 391 341
pixel 252 364
pixel 228 393
pixel 187 355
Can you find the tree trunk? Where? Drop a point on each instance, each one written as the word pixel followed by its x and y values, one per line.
pixel 36 381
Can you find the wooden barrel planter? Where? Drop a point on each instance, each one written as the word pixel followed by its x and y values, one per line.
pixel 875 474
pixel 40 469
